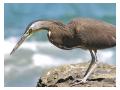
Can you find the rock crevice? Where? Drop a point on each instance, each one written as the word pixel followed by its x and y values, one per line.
pixel 62 76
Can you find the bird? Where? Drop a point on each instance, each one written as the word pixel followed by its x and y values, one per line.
pixel 85 33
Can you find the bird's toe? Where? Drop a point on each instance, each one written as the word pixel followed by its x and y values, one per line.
pixel 78 81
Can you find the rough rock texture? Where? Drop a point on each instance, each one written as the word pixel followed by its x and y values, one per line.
pixel 62 76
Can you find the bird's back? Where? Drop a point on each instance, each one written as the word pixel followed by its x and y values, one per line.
pixel 91 33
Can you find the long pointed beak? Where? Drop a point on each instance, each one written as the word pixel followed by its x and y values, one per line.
pixel 23 38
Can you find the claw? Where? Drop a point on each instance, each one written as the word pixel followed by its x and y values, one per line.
pixel 77 82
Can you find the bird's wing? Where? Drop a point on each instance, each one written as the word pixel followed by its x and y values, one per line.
pixel 93 33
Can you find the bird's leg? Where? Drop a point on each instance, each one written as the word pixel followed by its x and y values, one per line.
pixel 90 69
pixel 91 63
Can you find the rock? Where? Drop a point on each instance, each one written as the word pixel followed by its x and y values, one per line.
pixel 62 76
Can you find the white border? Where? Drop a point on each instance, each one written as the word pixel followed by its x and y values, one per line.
pixel 118 44
pixel 60 88
pixel 1 44
pixel 57 1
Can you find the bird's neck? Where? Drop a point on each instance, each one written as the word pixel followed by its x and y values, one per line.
pixel 62 30
pixel 55 27
pixel 58 27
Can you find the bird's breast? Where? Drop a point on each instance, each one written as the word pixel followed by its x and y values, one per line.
pixel 59 43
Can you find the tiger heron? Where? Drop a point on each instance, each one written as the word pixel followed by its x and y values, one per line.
pixel 82 33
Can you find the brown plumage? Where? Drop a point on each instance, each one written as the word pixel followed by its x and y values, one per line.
pixel 79 33
pixel 94 34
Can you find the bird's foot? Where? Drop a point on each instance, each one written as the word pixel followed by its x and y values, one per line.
pixel 78 81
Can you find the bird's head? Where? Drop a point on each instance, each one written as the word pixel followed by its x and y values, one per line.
pixel 32 28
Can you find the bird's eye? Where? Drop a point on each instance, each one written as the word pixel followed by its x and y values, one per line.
pixel 30 31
